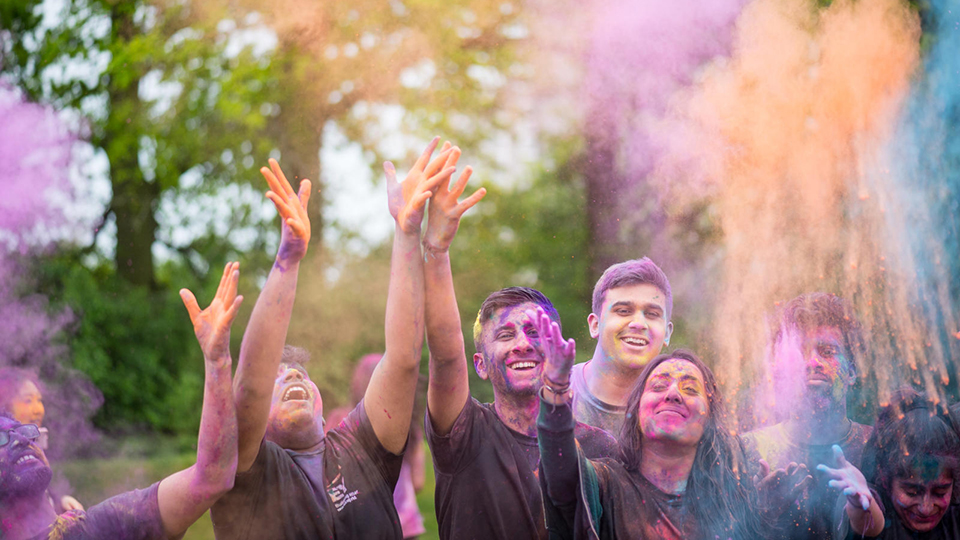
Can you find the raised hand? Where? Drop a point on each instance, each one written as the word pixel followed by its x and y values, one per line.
pixel 408 199
pixel 781 487
pixel 849 480
pixel 444 212
pixel 212 325
pixel 558 354
pixel 292 207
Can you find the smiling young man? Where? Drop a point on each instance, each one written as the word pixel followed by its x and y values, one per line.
pixel 814 355
pixel 632 305
pixel 485 455
pixel 165 509
pixel 293 481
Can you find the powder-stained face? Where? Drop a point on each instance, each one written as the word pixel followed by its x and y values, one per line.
pixel 24 470
pixel 818 356
pixel 27 405
pixel 511 357
pixel 674 404
pixel 632 326
pixel 295 409
pixel 921 503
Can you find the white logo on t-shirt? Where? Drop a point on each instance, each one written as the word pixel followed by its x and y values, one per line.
pixel 339 496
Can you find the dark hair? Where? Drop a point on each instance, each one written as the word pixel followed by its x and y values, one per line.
pixel 11 379
pixel 912 432
pixel 719 490
pixel 812 310
pixel 509 297
pixel 632 272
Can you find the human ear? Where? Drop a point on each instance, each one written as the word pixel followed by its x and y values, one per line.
pixel 593 323
pixel 479 365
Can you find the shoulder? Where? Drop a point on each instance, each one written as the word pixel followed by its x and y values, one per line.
pixel 596 443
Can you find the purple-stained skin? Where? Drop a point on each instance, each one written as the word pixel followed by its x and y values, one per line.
pixel 295 410
pixel 674 407
pixel 921 500
pixel 812 365
pixel 512 357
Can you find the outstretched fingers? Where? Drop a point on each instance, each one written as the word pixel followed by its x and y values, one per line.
pixel 424 158
pixel 190 302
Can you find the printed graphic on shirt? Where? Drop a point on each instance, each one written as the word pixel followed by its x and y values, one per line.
pixel 339 496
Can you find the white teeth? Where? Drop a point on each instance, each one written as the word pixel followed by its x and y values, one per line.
pixel 639 342
pixel 523 365
pixel 298 389
pixel 25 459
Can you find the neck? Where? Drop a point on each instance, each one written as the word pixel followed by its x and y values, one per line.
pixel 819 423
pixel 26 517
pixel 666 465
pixel 519 413
pixel 608 381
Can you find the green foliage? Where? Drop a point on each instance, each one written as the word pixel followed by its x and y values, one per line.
pixel 137 345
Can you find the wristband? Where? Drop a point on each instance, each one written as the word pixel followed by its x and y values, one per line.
pixel 557 389
pixel 431 250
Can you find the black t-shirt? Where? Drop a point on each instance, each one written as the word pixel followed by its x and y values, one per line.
pixel 342 490
pixel 818 512
pixel 486 474
pixel 134 515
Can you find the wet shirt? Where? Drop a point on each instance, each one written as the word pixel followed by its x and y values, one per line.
pixel 590 410
pixel 134 515
pixel 816 514
pixel 342 490
pixel 486 476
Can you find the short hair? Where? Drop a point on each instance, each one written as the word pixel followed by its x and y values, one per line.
pixel 509 297
pixel 912 433
pixel 632 272
pixel 812 310
pixel 295 357
pixel 11 379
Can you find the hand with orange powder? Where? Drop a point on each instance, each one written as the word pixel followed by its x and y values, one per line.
pixel 445 210
pixel 292 207
pixel 407 200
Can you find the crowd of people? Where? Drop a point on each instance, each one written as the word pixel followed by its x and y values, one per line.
pixel 635 443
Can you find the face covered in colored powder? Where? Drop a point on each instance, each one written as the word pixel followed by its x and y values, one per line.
pixel 632 326
pixel 817 363
pixel 511 357
pixel 921 500
pixel 24 470
pixel 674 406
pixel 27 405
pixel 295 410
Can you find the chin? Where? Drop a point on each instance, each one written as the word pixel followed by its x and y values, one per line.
pixel 31 482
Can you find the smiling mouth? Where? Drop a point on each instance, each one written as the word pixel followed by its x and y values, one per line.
pixel 296 392
pixel 635 341
pixel 523 366
pixel 26 459
pixel 673 411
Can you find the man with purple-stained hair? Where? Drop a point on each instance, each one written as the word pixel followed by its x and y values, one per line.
pixel 293 481
pixel 165 509
pixel 485 455
pixel 632 305
pixel 814 352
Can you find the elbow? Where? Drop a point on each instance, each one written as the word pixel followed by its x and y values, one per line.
pixel 213 482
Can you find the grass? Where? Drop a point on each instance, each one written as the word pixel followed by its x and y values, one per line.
pixel 97 479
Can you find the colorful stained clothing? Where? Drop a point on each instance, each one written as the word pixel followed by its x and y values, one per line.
pixel 486 474
pixel 589 409
pixel 134 515
pixel 342 490
pixel 817 513
pixel 601 499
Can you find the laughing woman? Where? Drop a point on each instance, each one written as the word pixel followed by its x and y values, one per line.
pixel 682 473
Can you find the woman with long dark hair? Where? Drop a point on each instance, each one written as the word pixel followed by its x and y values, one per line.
pixel 912 462
pixel 682 474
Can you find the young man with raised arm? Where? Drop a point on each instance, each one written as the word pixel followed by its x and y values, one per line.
pixel 292 481
pixel 814 351
pixel 632 304
pixel 165 509
pixel 485 455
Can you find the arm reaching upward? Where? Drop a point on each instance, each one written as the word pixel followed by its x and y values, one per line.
pixel 866 519
pixel 266 332
pixel 389 397
pixel 448 390
pixel 184 496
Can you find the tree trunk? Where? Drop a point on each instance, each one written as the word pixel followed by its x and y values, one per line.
pixel 134 200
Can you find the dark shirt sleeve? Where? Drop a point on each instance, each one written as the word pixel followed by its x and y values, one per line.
pixel 558 454
pixel 455 450
pixel 134 515
pixel 357 426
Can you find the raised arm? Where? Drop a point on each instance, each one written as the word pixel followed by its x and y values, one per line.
pixel 555 424
pixel 186 495
pixel 266 332
pixel 448 390
pixel 389 398
pixel 866 519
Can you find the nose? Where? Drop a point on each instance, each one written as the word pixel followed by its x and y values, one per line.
pixel 673 394
pixel 292 375
pixel 927 506
pixel 639 320
pixel 523 343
